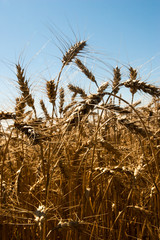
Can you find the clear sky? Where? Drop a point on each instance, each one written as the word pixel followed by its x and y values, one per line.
pixel 126 30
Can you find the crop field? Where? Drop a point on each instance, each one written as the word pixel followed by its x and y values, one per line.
pixel 89 168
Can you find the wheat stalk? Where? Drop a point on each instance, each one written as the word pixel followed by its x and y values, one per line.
pixel 44 110
pixel 20 108
pixel 7 115
pixel 61 94
pixel 23 84
pixel 51 93
pixel 73 52
pixel 116 80
pixel 133 127
pixel 103 87
pixel 85 70
pixel 135 85
pixel 69 106
pixel 84 109
pixel 116 108
pixel 77 90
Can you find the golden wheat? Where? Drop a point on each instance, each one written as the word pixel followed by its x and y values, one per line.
pixel 86 172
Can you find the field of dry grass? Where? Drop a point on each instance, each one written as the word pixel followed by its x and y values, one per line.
pixel 90 169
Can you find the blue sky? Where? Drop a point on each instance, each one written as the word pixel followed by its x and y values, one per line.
pixel 127 31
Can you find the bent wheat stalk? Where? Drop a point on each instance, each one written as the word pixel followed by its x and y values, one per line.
pixel 85 70
pixel 72 52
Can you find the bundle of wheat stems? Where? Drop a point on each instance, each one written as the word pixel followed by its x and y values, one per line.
pixel 88 171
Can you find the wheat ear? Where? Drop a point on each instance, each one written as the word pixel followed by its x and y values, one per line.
pixel 103 87
pixel 69 106
pixel 7 115
pixel 51 93
pixel 142 86
pixel 73 52
pixel 20 107
pixel 85 70
pixel 23 84
pixel 82 110
pixel 116 108
pixel 77 90
pixel 61 95
pixel 116 80
pixel 133 127
pixel 44 110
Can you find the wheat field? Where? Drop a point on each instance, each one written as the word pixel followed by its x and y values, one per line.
pixel 87 169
